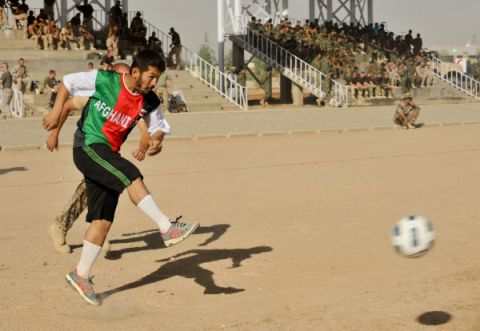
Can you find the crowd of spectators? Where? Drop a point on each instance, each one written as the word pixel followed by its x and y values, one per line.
pixel 119 38
pixel 369 59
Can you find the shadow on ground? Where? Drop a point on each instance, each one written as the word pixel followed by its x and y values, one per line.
pixel 7 170
pixel 434 318
pixel 187 265
pixel 152 240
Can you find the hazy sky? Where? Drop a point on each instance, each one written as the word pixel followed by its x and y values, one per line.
pixel 440 22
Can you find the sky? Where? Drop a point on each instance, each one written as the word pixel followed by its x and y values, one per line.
pixel 441 23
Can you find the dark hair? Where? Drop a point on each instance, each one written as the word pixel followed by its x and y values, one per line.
pixel 148 58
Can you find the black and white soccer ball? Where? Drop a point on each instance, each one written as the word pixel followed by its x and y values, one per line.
pixel 413 236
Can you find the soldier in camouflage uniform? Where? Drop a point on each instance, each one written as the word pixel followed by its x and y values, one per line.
pixel 267 87
pixel 242 76
pixel 58 230
pixel 411 74
pixel 406 113
pixel 403 75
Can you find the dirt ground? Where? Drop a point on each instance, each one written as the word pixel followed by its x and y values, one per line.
pixel 295 235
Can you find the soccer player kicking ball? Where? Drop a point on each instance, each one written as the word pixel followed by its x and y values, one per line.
pixel 117 102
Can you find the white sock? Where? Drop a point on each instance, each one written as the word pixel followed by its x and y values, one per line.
pixel 149 207
pixel 89 255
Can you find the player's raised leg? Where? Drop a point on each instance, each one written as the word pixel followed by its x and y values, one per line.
pixel 172 232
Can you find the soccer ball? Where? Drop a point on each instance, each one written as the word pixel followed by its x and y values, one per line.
pixel 413 236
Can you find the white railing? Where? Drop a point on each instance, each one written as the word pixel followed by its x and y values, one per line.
pixel 447 73
pixel 204 71
pixel 293 67
pixel 16 104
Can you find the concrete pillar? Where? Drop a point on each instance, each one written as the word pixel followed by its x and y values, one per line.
pixel 353 7
pixel 370 11
pixel 285 8
pixel 329 10
pixel 238 56
pixel 297 94
pixel 237 13
pixel 311 10
pixel 63 12
pixel 220 34
pixel 285 90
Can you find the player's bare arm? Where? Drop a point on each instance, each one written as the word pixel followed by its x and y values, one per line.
pixel 155 143
pixel 144 144
pixel 52 140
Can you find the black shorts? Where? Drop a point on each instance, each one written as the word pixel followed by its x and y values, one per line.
pixel 107 174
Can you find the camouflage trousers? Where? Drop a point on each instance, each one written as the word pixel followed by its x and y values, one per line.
pixel 411 118
pixel 73 209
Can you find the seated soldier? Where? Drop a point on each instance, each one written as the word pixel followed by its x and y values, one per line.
pixel 21 77
pixel 372 85
pixel 50 85
pixel 67 37
pixel 406 113
pixel 51 35
pixel 86 37
pixel 113 37
pixel 354 82
pixel 35 34
pixel 385 85
pixel 42 17
pixel 363 83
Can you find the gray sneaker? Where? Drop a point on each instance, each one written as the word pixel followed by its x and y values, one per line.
pixel 178 231
pixel 83 286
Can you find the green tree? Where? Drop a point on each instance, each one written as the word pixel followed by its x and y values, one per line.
pixel 207 53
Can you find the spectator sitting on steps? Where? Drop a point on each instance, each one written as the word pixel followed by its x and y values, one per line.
pixel 50 85
pixel 3 15
pixel 21 77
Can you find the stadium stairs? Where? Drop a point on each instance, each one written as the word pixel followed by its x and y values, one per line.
pixel 289 65
pixel 439 93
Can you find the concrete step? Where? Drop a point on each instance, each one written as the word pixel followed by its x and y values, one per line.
pixel 199 96
pixel 10 34
pixel 210 106
pixel 16 44
pixel 32 54
pixel 38 70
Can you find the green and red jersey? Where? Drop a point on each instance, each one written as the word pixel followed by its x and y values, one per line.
pixel 112 110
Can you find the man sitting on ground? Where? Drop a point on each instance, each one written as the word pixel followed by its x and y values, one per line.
pixel 407 113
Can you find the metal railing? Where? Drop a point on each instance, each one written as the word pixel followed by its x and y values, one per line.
pixel 293 67
pixel 16 104
pixel 204 71
pixel 459 80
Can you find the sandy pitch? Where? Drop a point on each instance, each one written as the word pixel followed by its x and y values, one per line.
pixel 295 236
